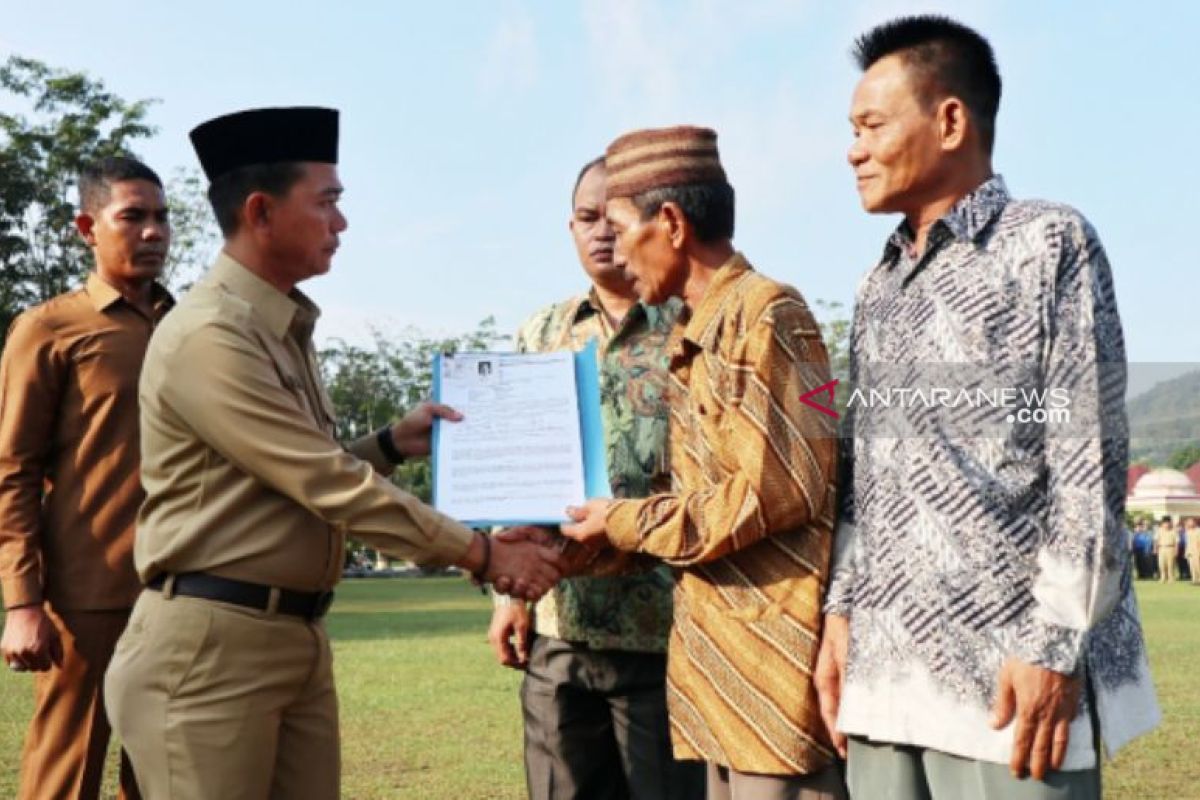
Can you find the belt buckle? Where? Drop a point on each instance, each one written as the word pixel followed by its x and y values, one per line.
pixel 322 604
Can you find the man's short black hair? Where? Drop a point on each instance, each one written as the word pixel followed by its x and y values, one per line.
pixel 949 58
pixel 96 179
pixel 597 161
pixel 708 206
pixel 229 191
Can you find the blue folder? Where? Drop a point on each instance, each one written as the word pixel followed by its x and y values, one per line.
pixel 591 431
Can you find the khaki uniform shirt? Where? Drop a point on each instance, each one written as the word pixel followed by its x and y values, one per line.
pixel 1166 539
pixel 243 475
pixel 69 489
pixel 1192 548
pixel 750 525
pixel 628 611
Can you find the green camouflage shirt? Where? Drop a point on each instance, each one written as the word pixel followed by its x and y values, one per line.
pixel 626 612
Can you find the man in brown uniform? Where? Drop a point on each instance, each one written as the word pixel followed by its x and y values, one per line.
pixel 222 685
pixel 749 523
pixel 69 489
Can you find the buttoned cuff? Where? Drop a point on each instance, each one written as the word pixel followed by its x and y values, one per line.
pixel 21 590
pixel 1050 646
pixel 622 524
pixel 838 601
pixel 367 448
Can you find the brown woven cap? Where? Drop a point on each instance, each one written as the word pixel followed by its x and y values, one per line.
pixel 651 159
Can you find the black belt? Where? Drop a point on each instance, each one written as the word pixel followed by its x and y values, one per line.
pixel 310 605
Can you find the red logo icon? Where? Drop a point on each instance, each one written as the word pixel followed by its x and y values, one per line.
pixel 825 389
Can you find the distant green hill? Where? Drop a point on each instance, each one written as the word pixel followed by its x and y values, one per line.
pixel 1165 418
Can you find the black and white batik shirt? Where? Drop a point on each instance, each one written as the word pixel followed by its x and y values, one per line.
pixel 984 482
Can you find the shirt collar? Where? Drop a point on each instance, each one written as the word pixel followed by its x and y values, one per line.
pixel 699 330
pixel 588 305
pixel 103 295
pixel 281 312
pixel 965 221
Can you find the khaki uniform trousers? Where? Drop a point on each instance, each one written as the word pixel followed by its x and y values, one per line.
pixel 216 701
pixel 1166 564
pixel 1193 559
pixel 67 739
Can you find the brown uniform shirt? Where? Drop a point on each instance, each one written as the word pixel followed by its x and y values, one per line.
pixel 243 475
pixel 750 525
pixel 69 489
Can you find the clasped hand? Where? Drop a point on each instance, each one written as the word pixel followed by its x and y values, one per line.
pixel 525 562
pixel 567 557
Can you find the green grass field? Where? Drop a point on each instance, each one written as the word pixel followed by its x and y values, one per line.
pixel 426 712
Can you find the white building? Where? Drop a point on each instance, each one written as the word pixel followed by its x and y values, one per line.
pixel 1165 493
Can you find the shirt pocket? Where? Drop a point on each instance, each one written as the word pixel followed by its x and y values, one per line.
pixel 106 365
pixel 295 385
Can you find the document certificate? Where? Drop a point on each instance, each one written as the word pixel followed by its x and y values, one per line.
pixel 530 442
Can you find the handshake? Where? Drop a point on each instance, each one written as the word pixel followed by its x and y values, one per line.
pixel 527 561
pixel 522 562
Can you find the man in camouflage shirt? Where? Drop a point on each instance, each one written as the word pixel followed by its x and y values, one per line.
pixel 594 695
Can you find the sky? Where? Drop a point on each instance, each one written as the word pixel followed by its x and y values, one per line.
pixel 464 124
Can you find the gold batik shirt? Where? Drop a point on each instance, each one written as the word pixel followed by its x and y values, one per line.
pixel 748 525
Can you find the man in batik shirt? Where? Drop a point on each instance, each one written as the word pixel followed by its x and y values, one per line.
pixel 748 521
pixel 982 588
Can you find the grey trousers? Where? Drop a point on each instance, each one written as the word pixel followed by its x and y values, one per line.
pixel 596 726
pixel 881 771
pixel 728 784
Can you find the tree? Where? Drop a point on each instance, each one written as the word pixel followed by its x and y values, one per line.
pixel 1140 517
pixel 835 330
pixel 1184 457
pixel 371 386
pixel 195 238
pixel 75 121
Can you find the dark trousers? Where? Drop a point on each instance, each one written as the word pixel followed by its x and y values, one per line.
pixel 596 726
pixel 68 736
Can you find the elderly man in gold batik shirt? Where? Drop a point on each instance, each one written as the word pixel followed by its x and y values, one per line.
pixel 749 522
